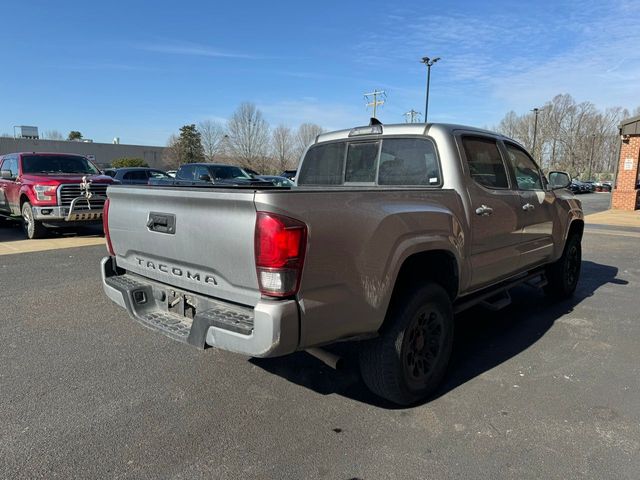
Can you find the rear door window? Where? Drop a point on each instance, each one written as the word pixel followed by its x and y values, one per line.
pixel 362 162
pixel 485 162
pixel 408 161
pixel 323 165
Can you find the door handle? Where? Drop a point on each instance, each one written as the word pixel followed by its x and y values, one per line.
pixel 484 210
pixel 162 222
pixel 527 207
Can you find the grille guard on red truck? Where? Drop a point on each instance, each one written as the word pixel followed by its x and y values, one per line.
pixel 85 214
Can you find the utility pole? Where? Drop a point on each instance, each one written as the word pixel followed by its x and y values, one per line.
pixel 412 116
pixel 593 141
pixel 535 131
pixel 375 98
pixel 429 63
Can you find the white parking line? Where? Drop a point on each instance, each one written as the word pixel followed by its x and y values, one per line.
pixel 27 246
pixel 619 233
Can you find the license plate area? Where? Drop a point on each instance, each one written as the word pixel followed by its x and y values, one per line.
pixel 181 303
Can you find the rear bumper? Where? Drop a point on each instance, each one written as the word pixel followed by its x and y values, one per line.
pixel 270 329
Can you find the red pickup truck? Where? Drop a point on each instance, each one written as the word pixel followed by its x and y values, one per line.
pixel 51 189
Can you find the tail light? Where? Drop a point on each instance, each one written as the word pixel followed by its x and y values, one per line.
pixel 105 227
pixel 280 244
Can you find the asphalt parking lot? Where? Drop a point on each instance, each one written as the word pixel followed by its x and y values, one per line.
pixel 538 390
pixel 594 202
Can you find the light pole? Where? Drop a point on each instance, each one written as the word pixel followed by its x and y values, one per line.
pixel 429 63
pixel 535 131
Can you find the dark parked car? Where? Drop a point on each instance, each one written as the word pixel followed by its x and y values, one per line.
pixel 137 175
pixel 575 186
pixel 579 187
pixel 200 174
pixel 276 180
pixel 290 174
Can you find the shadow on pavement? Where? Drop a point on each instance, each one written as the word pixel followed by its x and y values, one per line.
pixel 484 339
pixel 11 230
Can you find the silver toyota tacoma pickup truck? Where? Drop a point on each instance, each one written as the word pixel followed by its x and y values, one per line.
pixel 390 231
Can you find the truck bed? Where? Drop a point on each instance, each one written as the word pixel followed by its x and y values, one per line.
pixel 355 238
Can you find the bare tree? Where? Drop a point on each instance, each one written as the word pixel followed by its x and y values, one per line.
pixel 171 154
pixel 249 137
pixel 212 134
pixel 570 136
pixel 53 135
pixel 509 124
pixel 306 135
pixel 283 148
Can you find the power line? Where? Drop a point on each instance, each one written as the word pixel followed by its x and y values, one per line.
pixel 412 116
pixel 375 99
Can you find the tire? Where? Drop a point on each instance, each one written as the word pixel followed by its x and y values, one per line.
pixel 563 275
pixel 32 228
pixel 406 363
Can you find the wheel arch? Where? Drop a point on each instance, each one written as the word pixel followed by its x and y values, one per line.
pixel 439 266
pixel 23 199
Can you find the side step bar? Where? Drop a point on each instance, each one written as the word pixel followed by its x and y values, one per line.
pixel 498 297
pixel 497 302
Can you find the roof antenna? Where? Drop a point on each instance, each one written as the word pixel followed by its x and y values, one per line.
pixel 374 121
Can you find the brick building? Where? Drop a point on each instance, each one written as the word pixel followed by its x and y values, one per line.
pixel 626 195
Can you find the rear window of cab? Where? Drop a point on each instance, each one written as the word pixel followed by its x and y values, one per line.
pixel 388 162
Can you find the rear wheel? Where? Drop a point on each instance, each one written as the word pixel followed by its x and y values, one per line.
pixel 563 275
pixel 407 361
pixel 32 227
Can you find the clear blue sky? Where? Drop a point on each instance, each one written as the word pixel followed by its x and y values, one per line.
pixel 141 70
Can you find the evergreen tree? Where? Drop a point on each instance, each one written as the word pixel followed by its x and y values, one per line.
pixel 190 145
pixel 129 162
pixel 74 135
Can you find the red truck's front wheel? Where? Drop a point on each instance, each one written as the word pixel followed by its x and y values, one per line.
pixel 32 227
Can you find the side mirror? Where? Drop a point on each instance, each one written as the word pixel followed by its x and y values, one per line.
pixel 559 180
pixel 205 178
pixel 6 175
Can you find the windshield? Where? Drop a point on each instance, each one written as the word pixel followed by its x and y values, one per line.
pixel 221 173
pixel 56 164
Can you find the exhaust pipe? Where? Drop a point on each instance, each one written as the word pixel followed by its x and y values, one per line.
pixel 330 359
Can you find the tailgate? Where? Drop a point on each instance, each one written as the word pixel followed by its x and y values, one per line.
pixel 211 248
